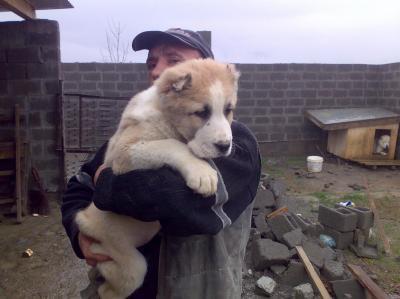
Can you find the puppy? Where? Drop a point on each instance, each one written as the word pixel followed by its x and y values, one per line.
pixel 382 146
pixel 181 120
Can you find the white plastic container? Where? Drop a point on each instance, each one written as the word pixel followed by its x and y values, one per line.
pixel 314 163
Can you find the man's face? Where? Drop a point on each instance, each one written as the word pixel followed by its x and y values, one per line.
pixel 165 55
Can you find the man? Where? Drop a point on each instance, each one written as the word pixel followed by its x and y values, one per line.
pixel 202 240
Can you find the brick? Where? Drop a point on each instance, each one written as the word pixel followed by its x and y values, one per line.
pixel 105 67
pixel 266 252
pixel 262 120
pixel 51 54
pixel 75 76
pixel 293 238
pixel 85 67
pixel 246 85
pixel 276 94
pixel 365 217
pixel 277 76
pixel 35 119
pixel 87 86
pixel 340 219
pixel 41 71
pixel 124 67
pixel 25 87
pixel 276 111
pixel 29 54
pixel 281 225
pixel 246 67
pixel 52 87
pixel 69 67
pixel 110 77
pixel 342 240
pixel 3 57
pixel 303 291
pixel 12 71
pixel 260 93
pixel 350 286
pixel 333 270
pixel 295 274
pixel 129 77
pixel 91 76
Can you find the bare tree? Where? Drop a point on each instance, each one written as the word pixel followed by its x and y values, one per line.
pixel 117 49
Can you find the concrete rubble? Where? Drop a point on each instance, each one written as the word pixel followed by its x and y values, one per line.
pixel 272 255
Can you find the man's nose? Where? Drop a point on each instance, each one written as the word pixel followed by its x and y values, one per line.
pixel 157 70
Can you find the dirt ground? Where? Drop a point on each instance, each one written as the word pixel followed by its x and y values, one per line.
pixel 54 272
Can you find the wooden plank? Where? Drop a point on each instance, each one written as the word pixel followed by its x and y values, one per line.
pixel 277 212
pixel 313 275
pixel 20 7
pixel 7 172
pixel 379 162
pixel 18 182
pixel 6 200
pixel 367 282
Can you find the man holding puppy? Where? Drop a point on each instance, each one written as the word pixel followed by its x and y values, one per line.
pixel 200 250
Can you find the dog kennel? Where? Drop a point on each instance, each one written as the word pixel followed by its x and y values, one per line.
pixel 364 135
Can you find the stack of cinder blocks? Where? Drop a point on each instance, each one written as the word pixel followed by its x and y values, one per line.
pixel 349 227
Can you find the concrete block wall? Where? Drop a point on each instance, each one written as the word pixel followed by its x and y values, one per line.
pixel 105 79
pixel 30 76
pixel 272 97
pixel 391 86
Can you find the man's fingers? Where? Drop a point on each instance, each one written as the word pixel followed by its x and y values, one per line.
pixel 101 258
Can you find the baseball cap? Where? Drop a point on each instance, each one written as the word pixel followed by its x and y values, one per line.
pixel 147 39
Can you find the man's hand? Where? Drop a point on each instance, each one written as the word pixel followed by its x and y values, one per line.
pixel 98 171
pixel 91 258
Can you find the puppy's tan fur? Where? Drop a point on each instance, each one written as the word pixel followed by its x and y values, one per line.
pixel 163 125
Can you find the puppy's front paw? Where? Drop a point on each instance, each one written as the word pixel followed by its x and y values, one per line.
pixel 202 178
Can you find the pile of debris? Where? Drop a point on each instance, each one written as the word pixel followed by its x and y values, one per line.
pixel 289 256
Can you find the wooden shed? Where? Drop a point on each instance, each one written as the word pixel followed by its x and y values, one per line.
pixel 364 135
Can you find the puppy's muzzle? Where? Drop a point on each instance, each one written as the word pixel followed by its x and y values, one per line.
pixel 223 147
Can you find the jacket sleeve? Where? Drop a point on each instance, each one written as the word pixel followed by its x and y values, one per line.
pixel 162 194
pixel 78 195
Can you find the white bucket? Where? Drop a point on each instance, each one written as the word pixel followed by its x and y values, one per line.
pixel 314 163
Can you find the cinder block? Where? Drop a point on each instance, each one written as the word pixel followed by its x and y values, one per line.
pixel 3 56
pixel 333 270
pixel 350 286
pixel 295 274
pixel 266 253
pixel 281 225
pixel 304 223
pixel 342 239
pixel 365 216
pixel 340 219
pixel 29 54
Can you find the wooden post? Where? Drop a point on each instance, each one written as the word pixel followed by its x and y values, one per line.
pixel 18 183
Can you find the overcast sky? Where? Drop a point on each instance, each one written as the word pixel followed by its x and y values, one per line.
pixel 252 31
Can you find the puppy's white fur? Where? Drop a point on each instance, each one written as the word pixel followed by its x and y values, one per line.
pixel 382 146
pixel 184 117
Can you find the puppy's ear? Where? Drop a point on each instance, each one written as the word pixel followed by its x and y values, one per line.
pixel 232 69
pixel 181 83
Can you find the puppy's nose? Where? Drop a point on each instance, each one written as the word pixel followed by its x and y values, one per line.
pixel 222 147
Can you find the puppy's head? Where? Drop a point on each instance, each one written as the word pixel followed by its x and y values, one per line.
pixel 384 141
pixel 198 98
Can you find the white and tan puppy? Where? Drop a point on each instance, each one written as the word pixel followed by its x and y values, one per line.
pixel 182 119
pixel 382 146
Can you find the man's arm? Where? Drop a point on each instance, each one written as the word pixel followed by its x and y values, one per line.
pixel 162 194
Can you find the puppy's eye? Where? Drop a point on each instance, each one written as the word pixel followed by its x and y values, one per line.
pixel 203 114
pixel 228 110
